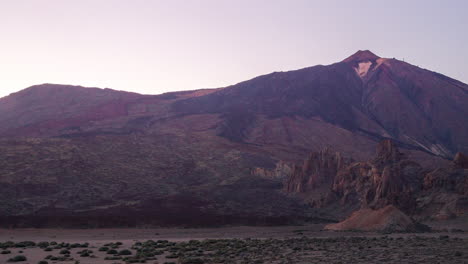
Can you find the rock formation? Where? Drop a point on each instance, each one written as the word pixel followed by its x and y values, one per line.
pixel 445 191
pixel 461 160
pixel 389 179
pixel 318 171
pixel 387 219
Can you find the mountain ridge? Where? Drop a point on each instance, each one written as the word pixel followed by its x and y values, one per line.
pixel 74 152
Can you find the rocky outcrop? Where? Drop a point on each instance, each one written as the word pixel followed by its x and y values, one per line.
pixel 461 160
pixel 281 171
pixel 453 178
pixel 317 171
pixel 389 179
pixel 445 191
pixel 388 219
pixel 447 180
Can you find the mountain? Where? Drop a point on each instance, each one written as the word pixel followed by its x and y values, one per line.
pixel 90 156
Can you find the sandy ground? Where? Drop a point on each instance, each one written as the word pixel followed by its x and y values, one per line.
pixel 173 234
pixel 98 237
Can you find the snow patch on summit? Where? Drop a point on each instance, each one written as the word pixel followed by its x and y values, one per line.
pixel 363 68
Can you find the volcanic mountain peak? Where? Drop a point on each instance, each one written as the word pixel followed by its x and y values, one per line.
pixel 362 61
pixel 49 89
pixel 52 87
pixel 362 56
pixel 53 94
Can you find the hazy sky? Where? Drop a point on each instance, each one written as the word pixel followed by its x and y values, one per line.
pixel 157 46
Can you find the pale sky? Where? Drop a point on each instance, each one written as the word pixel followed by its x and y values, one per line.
pixel 155 46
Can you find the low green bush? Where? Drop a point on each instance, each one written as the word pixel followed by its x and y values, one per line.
pixel 125 252
pixel 112 251
pixel 25 244
pixel 43 244
pixel 192 261
pixel 18 258
pixel 64 252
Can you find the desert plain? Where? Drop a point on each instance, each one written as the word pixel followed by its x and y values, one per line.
pixel 241 244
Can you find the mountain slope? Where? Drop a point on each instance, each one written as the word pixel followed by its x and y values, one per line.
pixel 389 99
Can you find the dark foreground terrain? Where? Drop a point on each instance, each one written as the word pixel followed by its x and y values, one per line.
pixel 291 244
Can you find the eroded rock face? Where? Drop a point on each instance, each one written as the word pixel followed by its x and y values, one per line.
pixel 318 171
pixel 281 171
pixel 445 191
pixel 390 178
pixel 461 160
pixel 450 179
pixel 447 180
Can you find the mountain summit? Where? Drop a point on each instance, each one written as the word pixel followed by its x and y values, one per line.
pixel 362 55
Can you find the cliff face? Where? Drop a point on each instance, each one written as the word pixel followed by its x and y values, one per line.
pixel 445 191
pixel 390 178
pixel 281 171
pixel 461 160
pixel 318 171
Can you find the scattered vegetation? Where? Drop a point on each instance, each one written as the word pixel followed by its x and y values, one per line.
pixel 393 249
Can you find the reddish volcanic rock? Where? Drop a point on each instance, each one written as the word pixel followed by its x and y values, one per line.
pixel 388 218
pixel 388 179
pixel 362 55
pixel 281 171
pixel 446 189
pixel 453 179
pixel 461 160
pixel 387 152
pixel 318 171
pixel 446 179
